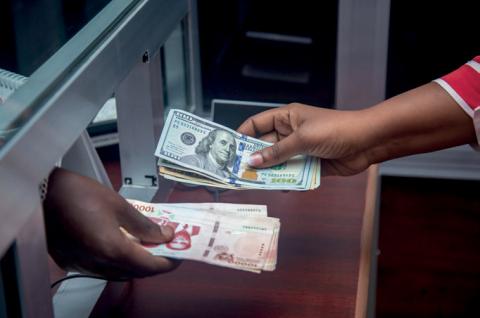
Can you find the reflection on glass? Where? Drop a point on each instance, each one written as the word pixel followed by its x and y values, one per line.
pixel 103 129
pixel 9 82
pixel 175 71
pixel 32 31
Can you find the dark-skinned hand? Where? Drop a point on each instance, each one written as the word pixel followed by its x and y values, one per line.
pixel 423 119
pixel 83 220
pixel 300 129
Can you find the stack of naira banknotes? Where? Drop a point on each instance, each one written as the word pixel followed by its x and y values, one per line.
pixel 239 236
pixel 197 151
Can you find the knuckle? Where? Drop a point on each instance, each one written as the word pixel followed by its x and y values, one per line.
pixel 151 228
pixel 274 152
pixel 294 105
pixel 249 120
pixel 248 126
pixel 155 234
pixel 252 127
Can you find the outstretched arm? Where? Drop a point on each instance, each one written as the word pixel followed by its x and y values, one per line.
pixel 423 119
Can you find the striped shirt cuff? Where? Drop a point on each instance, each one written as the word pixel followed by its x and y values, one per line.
pixel 463 85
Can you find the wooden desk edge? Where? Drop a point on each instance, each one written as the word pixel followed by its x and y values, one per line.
pixel 367 240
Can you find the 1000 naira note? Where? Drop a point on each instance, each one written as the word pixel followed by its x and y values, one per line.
pixel 231 235
pixel 193 148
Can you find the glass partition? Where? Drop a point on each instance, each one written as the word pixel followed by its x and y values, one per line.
pixel 36 33
pixel 175 70
pixel 53 92
pixel 34 30
pixel 43 41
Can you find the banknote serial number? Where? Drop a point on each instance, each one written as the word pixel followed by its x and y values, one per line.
pixel 246 263
pixel 254 228
pixel 170 155
pixel 178 123
pixel 183 116
pixel 250 147
pixel 249 210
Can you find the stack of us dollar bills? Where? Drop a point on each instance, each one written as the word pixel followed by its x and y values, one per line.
pixel 238 236
pixel 197 151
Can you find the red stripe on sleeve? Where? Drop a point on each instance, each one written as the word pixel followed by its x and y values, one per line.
pixel 477 59
pixel 466 82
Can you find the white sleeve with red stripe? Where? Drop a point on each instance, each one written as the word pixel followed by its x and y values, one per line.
pixel 463 85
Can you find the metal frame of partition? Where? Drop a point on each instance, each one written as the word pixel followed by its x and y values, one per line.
pixel 116 53
pixel 362 51
pixel 361 74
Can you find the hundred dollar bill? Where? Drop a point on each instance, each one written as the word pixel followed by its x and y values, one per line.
pixel 187 176
pixel 235 236
pixel 190 144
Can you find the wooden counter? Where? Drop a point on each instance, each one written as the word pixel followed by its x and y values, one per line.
pixel 323 269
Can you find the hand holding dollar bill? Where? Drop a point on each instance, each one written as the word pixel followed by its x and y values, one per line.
pixel 197 151
pixel 238 236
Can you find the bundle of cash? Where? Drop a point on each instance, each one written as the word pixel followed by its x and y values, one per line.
pixel 238 236
pixel 200 152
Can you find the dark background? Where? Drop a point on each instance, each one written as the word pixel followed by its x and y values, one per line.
pixel 226 50
pixel 429 39
pixel 50 24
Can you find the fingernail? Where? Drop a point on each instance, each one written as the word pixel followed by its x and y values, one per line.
pixel 255 159
pixel 167 231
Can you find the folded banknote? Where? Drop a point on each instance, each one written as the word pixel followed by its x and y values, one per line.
pixel 239 236
pixel 194 150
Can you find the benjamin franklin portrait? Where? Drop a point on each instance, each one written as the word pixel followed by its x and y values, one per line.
pixel 214 153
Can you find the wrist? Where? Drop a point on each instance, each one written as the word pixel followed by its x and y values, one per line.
pixel 369 135
pixel 421 120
